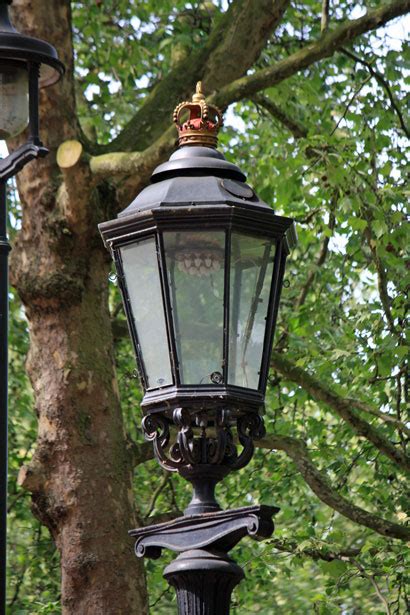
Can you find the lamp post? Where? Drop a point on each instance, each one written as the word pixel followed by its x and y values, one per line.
pixel 200 262
pixel 26 64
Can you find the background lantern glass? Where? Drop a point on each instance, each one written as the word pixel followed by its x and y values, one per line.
pixel 14 111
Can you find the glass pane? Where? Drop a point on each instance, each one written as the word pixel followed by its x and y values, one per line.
pixel 195 267
pixel 250 281
pixel 13 101
pixel 141 272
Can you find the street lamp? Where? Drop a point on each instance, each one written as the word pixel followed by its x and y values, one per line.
pixel 26 64
pixel 200 262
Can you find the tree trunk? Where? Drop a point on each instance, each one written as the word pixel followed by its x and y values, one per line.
pixel 80 476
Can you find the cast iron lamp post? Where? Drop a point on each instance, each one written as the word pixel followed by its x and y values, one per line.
pixel 200 262
pixel 26 64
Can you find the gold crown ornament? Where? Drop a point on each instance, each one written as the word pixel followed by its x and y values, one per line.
pixel 203 122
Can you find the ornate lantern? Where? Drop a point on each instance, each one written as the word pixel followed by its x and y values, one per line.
pixel 26 64
pixel 200 261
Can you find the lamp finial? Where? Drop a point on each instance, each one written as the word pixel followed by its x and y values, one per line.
pixel 202 125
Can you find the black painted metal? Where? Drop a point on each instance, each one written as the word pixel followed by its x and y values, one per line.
pixel 191 216
pixel 204 478
pixel 4 251
pixel 204 439
pixel 13 163
pixel 197 161
pixel 203 574
pixel 276 288
pixel 220 530
pixel 17 46
pixel 251 218
pixel 204 581
pixel 227 293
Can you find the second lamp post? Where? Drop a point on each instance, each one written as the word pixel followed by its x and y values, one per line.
pixel 26 65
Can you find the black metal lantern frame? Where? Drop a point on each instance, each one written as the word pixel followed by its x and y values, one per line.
pixel 43 67
pixel 239 215
pixel 228 207
pixel 200 262
pixel 227 219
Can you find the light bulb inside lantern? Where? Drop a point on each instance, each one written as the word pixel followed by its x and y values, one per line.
pixel 201 263
pixel 14 115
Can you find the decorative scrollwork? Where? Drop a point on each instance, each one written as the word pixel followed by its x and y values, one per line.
pixel 156 430
pixel 250 428
pixel 203 438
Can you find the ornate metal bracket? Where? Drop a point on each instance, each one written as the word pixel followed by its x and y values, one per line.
pixel 203 449
pixel 218 530
pixel 203 574
pixel 202 438
pixel 15 161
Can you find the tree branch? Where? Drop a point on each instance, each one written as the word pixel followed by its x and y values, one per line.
pixel 324 20
pixel 325 47
pixel 157 493
pixel 373 581
pixel 382 279
pixel 319 262
pixel 233 46
pixel 360 405
pixel 244 36
pixel 298 131
pixel 140 452
pixel 384 83
pixel 350 102
pixel 138 165
pixel 291 546
pixel 134 168
pixel 344 407
pixel 320 485
pixel 317 481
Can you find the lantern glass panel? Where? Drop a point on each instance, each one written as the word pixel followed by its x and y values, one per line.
pixel 251 270
pixel 13 100
pixel 141 272
pixel 195 268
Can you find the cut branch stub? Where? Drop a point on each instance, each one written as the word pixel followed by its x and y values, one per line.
pixel 69 153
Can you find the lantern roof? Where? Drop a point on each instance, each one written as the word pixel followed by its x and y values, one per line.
pixel 15 46
pixel 195 176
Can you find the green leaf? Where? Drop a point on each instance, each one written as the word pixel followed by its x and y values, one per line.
pixel 334 569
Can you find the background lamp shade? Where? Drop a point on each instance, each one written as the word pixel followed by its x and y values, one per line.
pixel 13 101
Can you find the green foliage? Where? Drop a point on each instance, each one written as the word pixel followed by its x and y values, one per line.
pixel 345 185
pixel 123 49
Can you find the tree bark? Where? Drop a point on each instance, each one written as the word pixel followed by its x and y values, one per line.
pixel 81 473
pixel 80 476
